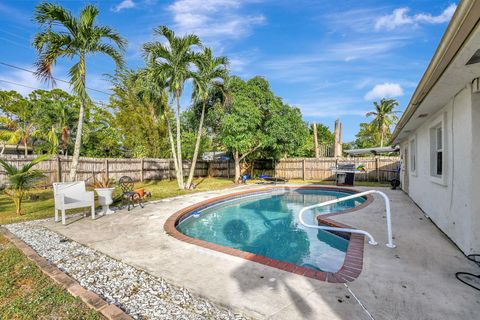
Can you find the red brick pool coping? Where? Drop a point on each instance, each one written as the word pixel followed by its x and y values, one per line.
pixel 352 265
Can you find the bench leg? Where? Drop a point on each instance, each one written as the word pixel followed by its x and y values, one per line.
pixel 93 212
pixel 63 216
pixel 56 215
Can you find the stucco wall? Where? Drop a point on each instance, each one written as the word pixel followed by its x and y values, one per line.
pixel 451 202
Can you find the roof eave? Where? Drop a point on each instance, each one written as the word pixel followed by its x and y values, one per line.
pixel 460 27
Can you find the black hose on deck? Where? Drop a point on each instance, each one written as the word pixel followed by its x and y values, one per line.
pixel 458 275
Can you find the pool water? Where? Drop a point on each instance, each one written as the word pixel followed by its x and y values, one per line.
pixel 268 225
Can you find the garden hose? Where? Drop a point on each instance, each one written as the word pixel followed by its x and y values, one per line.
pixel 468 277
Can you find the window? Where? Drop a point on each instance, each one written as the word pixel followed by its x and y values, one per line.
pixel 413 156
pixel 436 145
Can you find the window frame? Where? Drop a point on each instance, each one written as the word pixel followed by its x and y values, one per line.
pixel 413 159
pixel 436 148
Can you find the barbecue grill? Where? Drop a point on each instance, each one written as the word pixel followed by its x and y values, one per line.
pixel 345 174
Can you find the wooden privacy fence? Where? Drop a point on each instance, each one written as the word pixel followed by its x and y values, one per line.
pixel 376 168
pixel 57 168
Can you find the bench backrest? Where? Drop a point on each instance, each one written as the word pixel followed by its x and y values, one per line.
pixel 74 190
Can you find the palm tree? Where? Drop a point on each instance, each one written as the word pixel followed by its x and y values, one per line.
pixel 385 117
pixel 211 72
pixel 65 36
pixel 21 179
pixel 174 60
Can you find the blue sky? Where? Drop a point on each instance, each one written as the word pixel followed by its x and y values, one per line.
pixel 329 58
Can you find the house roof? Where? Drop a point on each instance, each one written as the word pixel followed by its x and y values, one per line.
pixel 447 73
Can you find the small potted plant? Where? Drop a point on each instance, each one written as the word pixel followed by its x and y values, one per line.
pixel 104 192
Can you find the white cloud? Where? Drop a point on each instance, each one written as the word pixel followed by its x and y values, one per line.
pixel 399 17
pixel 384 90
pixel 125 4
pixel 213 20
pixel 330 107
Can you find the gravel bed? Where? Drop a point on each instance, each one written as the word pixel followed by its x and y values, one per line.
pixel 138 293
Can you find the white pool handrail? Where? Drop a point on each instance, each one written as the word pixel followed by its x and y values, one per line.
pixel 371 241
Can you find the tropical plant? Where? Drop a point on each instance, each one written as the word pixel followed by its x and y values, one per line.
pixel 211 72
pixel 141 113
pixel 65 36
pixel 172 61
pixel 52 140
pixel 18 124
pixel 385 117
pixel 103 182
pixel 59 110
pixel 20 180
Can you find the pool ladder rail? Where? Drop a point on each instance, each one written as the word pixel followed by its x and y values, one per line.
pixel 371 241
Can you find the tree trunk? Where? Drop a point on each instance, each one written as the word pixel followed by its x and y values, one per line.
pixel 78 143
pixel 236 158
pixel 179 147
pixel 197 147
pixel 315 140
pixel 381 139
pixel 172 145
pixel 25 146
pixel 78 138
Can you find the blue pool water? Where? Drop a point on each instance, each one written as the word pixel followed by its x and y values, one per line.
pixel 268 225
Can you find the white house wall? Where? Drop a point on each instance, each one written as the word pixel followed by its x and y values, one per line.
pixel 452 203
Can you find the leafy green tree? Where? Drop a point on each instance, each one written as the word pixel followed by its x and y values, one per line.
pixel 211 71
pixel 141 111
pixel 101 136
pixel 18 120
pixel 385 117
pixel 285 130
pixel 64 36
pixel 242 129
pixel 58 113
pixel 254 121
pixel 21 179
pixel 367 137
pixel 172 61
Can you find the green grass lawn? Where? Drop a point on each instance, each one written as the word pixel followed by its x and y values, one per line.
pixel 26 293
pixel 43 206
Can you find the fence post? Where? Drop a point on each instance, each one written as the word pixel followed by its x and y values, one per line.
pixel 170 169
pixel 141 170
pixel 377 169
pixel 303 169
pixel 59 170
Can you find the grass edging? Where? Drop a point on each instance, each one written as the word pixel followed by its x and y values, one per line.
pixel 91 299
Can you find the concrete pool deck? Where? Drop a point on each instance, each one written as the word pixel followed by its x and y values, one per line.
pixel 416 280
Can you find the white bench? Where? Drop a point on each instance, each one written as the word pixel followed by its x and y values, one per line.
pixel 71 195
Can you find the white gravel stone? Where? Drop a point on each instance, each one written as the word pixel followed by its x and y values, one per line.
pixel 138 293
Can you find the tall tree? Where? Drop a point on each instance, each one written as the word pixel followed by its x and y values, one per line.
pixel 65 36
pixel 211 72
pixel 140 106
pixel 385 117
pixel 174 60
pixel 17 123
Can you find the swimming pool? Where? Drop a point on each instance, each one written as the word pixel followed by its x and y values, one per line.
pixel 265 223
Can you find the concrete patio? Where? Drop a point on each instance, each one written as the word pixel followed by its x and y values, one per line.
pixel 416 280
